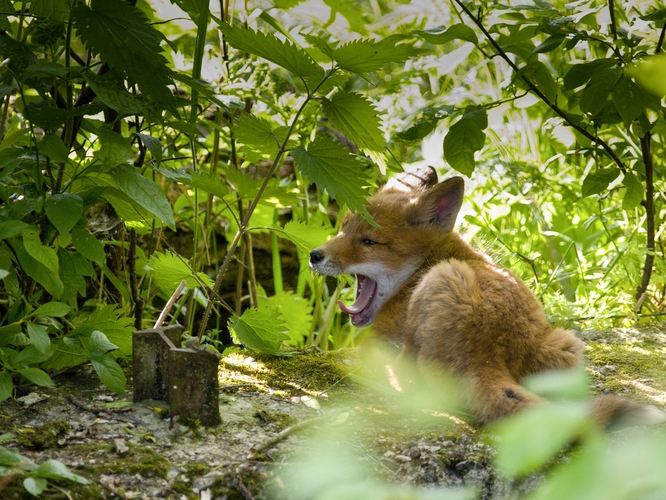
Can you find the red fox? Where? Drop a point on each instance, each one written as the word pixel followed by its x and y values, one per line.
pixel 448 305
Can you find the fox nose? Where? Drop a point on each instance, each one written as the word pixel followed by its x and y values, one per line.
pixel 316 256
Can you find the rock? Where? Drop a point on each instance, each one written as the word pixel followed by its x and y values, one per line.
pixel 32 399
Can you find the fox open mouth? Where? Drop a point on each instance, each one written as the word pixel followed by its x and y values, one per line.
pixel 359 311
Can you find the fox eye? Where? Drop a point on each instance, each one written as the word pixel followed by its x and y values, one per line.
pixel 368 242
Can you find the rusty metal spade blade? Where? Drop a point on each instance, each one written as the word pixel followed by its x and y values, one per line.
pixel 184 378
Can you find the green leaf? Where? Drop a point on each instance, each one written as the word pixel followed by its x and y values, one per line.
pixel 597 182
pixel 595 95
pixel 356 117
pixel 88 246
pixel 35 485
pixel 99 345
pixel 634 191
pixel 44 69
pixel 42 253
pixel 31 356
pixel 295 311
pixel 169 269
pixel 64 211
pixel 153 145
pixel 305 236
pixel 52 309
pixel 36 376
pixel 38 336
pixel 19 56
pixel 145 193
pixel 580 74
pixel 329 165
pixel 464 138
pixel 114 148
pixel 110 89
pixel 269 47
pixel 352 11
pixel 426 124
pixel 11 228
pixel 258 329
pixel 442 35
pixel 110 373
pixel 52 469
pixel 559 384
pixel 7 7
pixel 53 10
pixel 6 385
pixel 124 38
pixel 540 76
pixel 550 44
pixel 533 437
pixel 364 56
pixel 39 272
pixel 52 146
pixel 257 136
pixel 629 99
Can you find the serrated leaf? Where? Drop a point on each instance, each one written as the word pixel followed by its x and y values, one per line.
pixel 168 270
pixel 35 485
pixel 333 169
pixel 634 191
pixel 64 211
pixel 259 329
pixel 629 99
pixel 38 336
pixel 321 43
pixel 595 95
pixel 7 7
pixel 356 117
pixel 145 193
pixel 352 11
pixel 53 469
pixel 532 438
pixel 88 246
pixel 305 236
pixel 19 56
pixel 598 181
pixel 364 56
pixel 46 115
pixel 442 35
pixel 464 138
pixel 6 385
pixel 124 38
pixel 53 10
pixel 269 47
pixel 40 252
pixel 44 69
pixel 110 89
pixel 257 137
pixel 296 312
pixel 426 124
pixel 36 376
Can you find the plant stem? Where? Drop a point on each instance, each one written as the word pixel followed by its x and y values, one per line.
pixel 649 209
pixel 613 25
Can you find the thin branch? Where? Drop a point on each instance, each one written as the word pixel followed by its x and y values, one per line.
pixel 649 209
pixel 660 43
pixel 613 25
pixel 600 142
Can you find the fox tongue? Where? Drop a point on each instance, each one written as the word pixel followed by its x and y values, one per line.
pixel 365 290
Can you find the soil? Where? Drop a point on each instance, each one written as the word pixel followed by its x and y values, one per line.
pixel 278 414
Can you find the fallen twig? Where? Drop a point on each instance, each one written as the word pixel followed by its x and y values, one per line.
pixel 284 434
pixel 242 489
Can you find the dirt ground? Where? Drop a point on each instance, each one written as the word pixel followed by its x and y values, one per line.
pixel 291 427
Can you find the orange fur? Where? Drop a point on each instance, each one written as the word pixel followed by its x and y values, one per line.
pixel 449 306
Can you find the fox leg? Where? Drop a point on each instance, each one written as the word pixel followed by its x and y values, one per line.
pixel 496 396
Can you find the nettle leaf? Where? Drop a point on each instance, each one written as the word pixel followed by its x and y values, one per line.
pixel 257 136
pixel 352 11
pixel 295 311
pixel 271 48
pixel 464 138
pixel 305 236
pixel 124 38
pixel 52 146
pixel 38 336
pixel 259 329
pixel 356 117
pixel 114 148
pixel 110 89
pixel 7 7
pixel 442 35
pixel 64 211
pixel 144 192
pixel 634 191
pixel 629 99
pixel 597 182
pixel 595 95
pixel 426 124
pixel 53 10
pixel 364 56
pixel 88 246
pixel 322 44
pixel 19 56
pixel 168 270
pixel 333 169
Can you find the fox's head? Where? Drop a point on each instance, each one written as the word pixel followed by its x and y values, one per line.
pixel 413 219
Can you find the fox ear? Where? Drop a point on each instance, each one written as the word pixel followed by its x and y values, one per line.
pixel 417 179
pixel 439 206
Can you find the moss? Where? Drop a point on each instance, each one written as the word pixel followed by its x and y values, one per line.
pixel 310 371
pixel 638 370
pixel 43 437
pixel 196 469
pixel 138 460
pixel 183 490
pixel 193 424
